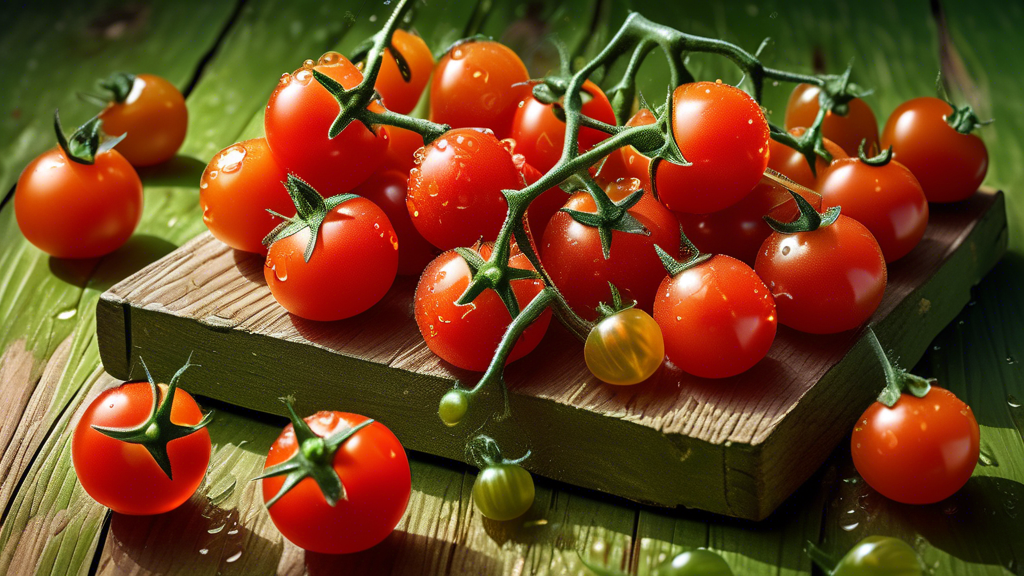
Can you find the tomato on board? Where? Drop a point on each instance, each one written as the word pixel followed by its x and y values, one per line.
pixel 125 476
pixel 467 336
pixel 949 165
pixel 793 165
pixel 238 186
pixel 722 132
pixel 544 206
pixel 879 556
pixel 478 84
pixel 78 207
pixel 297 120
pixel 372 467
pixel 624 348
pixel 847 131
pixel 540 135
pixel 151 112
pixel 387 190
pixel 402 147
pixel 921 450
pixel 454 194
pixel 398 94
pixel 503 492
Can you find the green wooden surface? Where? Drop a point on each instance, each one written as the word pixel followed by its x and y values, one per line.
pixel 49 366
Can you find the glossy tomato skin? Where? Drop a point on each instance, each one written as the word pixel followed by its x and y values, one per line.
pixel 540 135
pixel 154 117
pixel 124 477
pixel 353 264
pixel 921 450
pixel 793 165
pixel 238 186
pixel 625 348
pixel 635 164
pixel 826 281
pixel 846 131
pixel 886 199
pixel 72 210
pixel 298 117
pixel 572 253
pixel 503 492
pixel 374 470
pixel 544 206
pixel 398 95
pixel 402 147
pixel 467 336
pixel 722 132
pixel 949 165
pixel 718 318
pixel 454 194
pixel 387 190
pixel 478 84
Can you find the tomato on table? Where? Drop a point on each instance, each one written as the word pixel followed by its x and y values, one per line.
pixel 360 489
pixel 846 130
pixel 792 164
pixel 398 93
pixel 150 112
pixel 503 492
pixel 141 455
pixel 625 346
pixel 387 190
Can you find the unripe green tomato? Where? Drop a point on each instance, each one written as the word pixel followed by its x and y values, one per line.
pixel 453 407
pixel 880 556
pixel 695 563
pixel 503 491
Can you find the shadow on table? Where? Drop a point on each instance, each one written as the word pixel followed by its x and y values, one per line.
pixel 101 273
pixel 403 553
pixel 180 171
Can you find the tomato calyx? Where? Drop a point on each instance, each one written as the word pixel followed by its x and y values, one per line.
pixel 484 451
pixel 84 145
pixel 609 216
pixel 837 91
pixel 964 120
pixel 494 275
pixel 879 160
pixel 157 431
pixel 314 459
pixel 897 379
pixel 310 211
pixel 119 84
pixel 605 310
pixel 809 219
pixel 676 267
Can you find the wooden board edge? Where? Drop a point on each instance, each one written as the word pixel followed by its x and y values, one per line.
pixel 112 333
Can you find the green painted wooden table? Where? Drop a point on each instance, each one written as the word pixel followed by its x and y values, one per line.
pixel 226 57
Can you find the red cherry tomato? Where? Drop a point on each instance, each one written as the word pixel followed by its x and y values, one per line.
pixel 153 117
pixel 846 131
pixel 467 336
pixel 633 164
pixel 374 471
pixel 921 450
pixel 455 194
pixel 298 117
pixel 949 165
pixel 398 95
pixel 826 281
pixel 572 252
pixel 124 476
pixel 353 264
pixel 544 206
pixel 540 135
pixel 718 318
pixel 402 147
pixel 722 132
pixel 793 165
pixel 238 186
pixel 387 190
pixel 886 199
pixel 478 84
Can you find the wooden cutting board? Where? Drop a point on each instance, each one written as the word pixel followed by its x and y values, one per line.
pixel 738 446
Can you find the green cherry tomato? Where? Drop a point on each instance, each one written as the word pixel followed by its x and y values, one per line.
pixel 698 562
pixel 625 348
pixel 503 491
pixel 453 407
pixel 879 556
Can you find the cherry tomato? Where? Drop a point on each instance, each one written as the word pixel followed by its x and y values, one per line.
pixel 826 281
pixel 949 165
pixel 921 450
pixel 880 556
pixel 124 476
pixel 699 562
pixel 631 163
pixel 722 132
pixel 298 117
pixel 467 336
pixel 793 165
pixel 153 116
pixel 886 199
pixel 847 131
pixel 238 186
pixel 374 471
pixel 455 194
pixel 387 190
pixel 544 206
pixel 402 147
pixel 573 256
pixel 503 491
pixel 718 318
pixel 625 348
pixel 398 94
pixel 478 84
pixel 540 135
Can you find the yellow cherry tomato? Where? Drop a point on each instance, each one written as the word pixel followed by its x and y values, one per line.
pixel 625 348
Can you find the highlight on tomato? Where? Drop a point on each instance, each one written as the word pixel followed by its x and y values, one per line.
pixel 142 448
pixel 793 165
pixel 625 346
pixel 387 190
pixel 467 335
pixel 149 111
pixel 240 184
pixel 80 199
pixel 334 259
pixel 335 482
pixel 404 71
pixel 503 490
pixel 825 270
pixel 845 129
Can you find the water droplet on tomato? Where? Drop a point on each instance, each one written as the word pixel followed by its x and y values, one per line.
pixel 303 76
pixel 394 241
pixel 308 64
pixel 458 54
pixel 280 268
pixel 329 58
pixel 441 144
pixel 419 155
pixel 212 175
pixel 230 160
pixel 286 79
pixel 785 250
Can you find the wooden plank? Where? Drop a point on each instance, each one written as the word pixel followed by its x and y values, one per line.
pixel 736 437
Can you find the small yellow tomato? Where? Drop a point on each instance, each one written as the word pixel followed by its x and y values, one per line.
pixel 625 348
